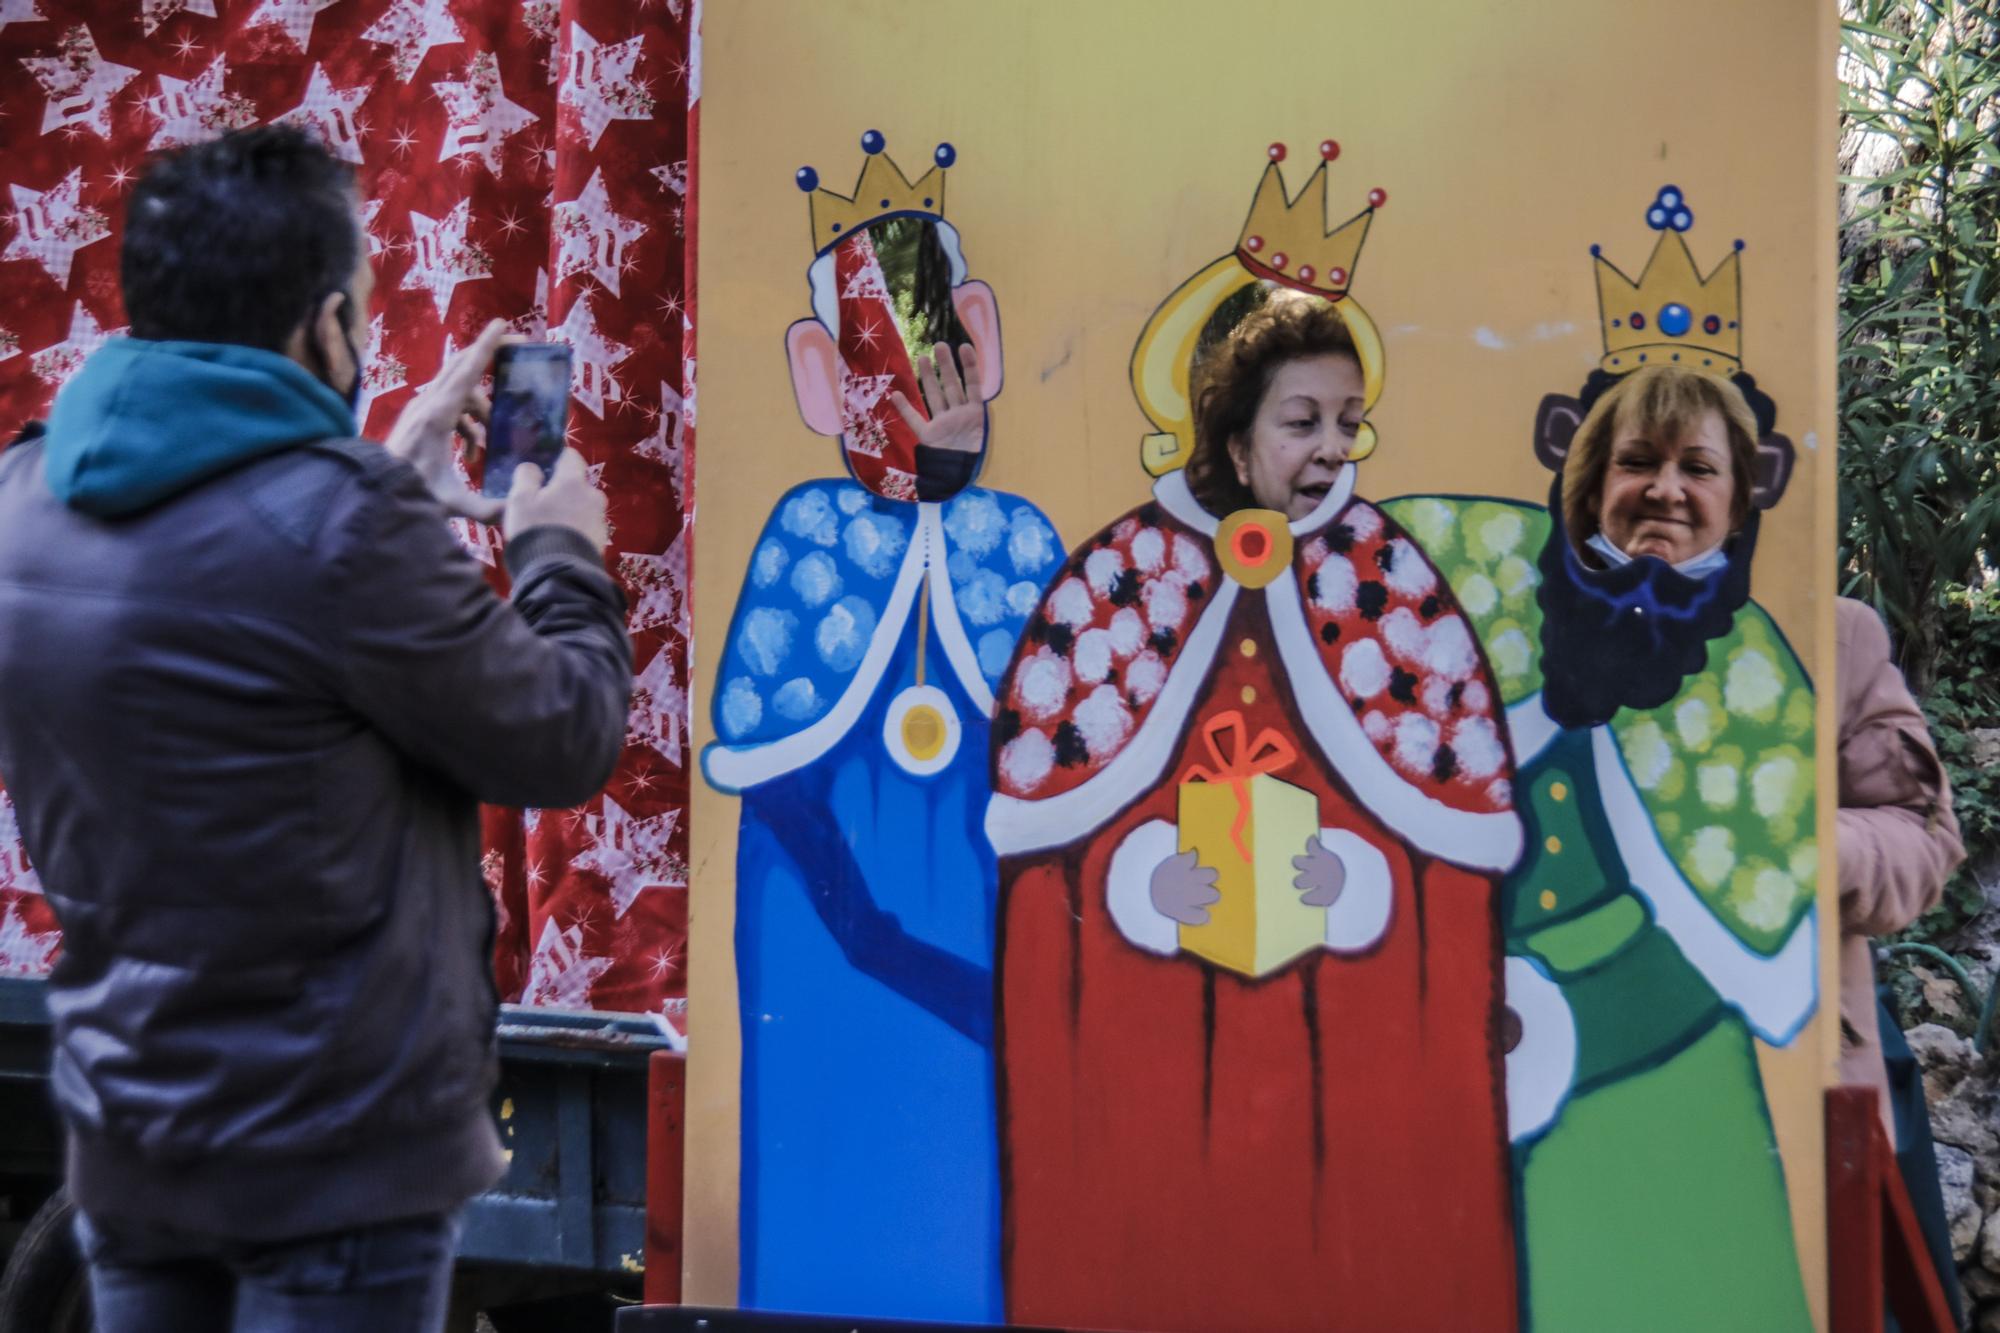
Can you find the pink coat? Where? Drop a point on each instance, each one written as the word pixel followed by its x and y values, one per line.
pixel 1899 840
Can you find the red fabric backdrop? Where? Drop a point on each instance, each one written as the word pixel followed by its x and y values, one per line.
pixel 520 159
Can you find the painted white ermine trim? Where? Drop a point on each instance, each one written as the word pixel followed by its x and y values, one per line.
pixel 1360 915
pixel 1465 838
pixel 1015 825
pixel 1776 994
pixel 1541 1069
pixel 1530 729
pixel 1174 496
pixel 736 768
pixel 1128 888
pixel 944 613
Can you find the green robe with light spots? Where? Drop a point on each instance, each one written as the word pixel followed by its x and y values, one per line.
pixel 1649 1188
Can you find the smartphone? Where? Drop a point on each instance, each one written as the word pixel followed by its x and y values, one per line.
pixel 530 412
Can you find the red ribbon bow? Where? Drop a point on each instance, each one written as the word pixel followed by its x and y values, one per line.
pixel 1238 763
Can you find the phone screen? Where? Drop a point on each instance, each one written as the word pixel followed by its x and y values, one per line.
pixel 530 411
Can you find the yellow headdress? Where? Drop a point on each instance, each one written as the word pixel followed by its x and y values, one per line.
pixel 1287 240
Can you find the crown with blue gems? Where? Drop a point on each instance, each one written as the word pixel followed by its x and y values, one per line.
pixel 1672 313
pixel 884 190
pixel 1290 240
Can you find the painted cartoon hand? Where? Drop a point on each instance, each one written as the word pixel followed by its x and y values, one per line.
pixel 1183 888
pixel 1322 875
pixel 954 415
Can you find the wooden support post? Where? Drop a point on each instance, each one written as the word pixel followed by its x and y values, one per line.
pixel 1876 1255
pixel 666 1119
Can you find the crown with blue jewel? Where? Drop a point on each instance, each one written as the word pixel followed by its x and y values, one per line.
pixel 884 190
pixel 1672 314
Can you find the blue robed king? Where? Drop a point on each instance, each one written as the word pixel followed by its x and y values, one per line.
pixel 852 713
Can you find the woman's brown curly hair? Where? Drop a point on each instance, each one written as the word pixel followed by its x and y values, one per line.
pixel 1245 341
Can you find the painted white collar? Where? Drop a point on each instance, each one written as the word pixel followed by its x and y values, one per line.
pixel 1174 496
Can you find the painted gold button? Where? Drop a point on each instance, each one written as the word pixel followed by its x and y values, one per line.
pixel 1249 694
pixel 1558 792
pixel 1249 647
pixel 1548 900
pixel 1554 844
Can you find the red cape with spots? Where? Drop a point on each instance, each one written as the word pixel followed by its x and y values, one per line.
pixel 1185 1148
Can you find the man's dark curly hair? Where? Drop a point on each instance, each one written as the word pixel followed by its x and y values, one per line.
pixel 237 239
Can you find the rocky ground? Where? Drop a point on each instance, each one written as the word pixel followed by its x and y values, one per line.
pixel 1963 1088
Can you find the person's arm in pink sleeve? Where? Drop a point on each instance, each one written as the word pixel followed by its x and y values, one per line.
pixel 1898 839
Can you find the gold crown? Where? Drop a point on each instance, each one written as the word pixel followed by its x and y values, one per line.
pixel 1289 239
pixel 883 191
pixel 1672 313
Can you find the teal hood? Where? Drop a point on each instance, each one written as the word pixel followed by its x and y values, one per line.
pixel 142 421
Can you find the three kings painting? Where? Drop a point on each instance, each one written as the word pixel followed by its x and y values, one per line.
pixel 1280 904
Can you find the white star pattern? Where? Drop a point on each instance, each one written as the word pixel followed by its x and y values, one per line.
pixel 25 952
pixel 593 235
pixel 630 854
pixel 330 111
pixel 673 176
pixel 57 362
pixel 591 382
pixel 599 84
pixel 668 447
pixel 443 257
pixel 15 872
pixel 369 211
pixel 561 974
pixel 661 584
pixel 295 17
pixel 478 117
pixel 20 11
pixel 80 84
pixel 659 710
pixel 861 429
pixel 10 344
pixel 535 324
pixel 412 28
pixel 155 12
pixel 52 225
pixel 380 374
pixel 190 110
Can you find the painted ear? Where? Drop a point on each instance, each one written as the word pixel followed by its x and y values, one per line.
pixel 980 314
pixel 1775 460
pixel 1556 421
pixel 815 374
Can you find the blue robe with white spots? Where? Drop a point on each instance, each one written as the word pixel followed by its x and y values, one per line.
pixel 866 897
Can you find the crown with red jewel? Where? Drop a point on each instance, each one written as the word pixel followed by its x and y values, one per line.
pixel 884 190
pixel 1672 313
pixel 1289 239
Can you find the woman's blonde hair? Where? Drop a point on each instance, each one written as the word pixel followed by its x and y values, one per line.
pixel 1662 403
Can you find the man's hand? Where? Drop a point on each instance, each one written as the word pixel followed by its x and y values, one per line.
pixel 955 416
pixel 566 500
pixel 453 404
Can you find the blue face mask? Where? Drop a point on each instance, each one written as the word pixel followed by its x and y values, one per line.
pixel 353 355
pixel 1714 558
pixel 352 393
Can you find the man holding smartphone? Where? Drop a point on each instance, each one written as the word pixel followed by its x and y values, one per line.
pixel 251 693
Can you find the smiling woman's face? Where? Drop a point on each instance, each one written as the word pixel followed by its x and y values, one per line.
pixel 1669 498
pixel 1302 433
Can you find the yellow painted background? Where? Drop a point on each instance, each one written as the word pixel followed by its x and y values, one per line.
pixel 1109 148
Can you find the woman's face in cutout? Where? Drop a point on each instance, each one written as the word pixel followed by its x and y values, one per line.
pixel 1669 498
pixel 1302 433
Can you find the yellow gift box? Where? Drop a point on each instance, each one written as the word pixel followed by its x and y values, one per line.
pixel 1247 826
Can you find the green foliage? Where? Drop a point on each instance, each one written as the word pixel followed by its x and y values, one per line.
pixel 1920 335
pixel 1919 349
